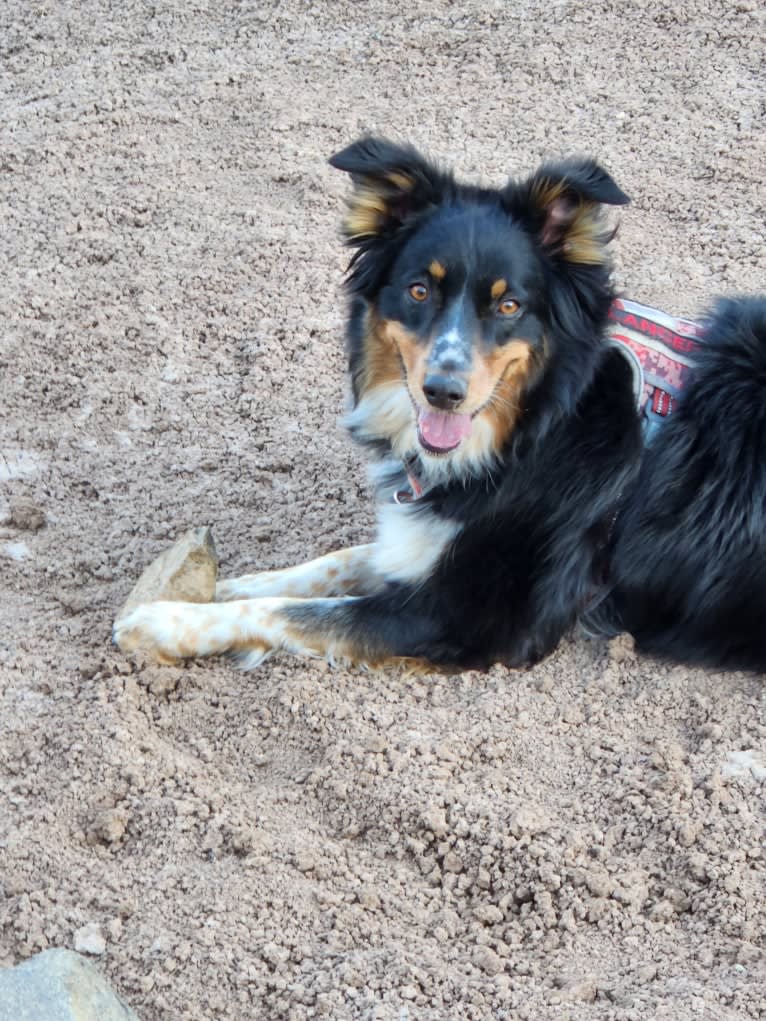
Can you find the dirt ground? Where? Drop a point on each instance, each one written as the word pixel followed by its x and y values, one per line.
pixel 581 841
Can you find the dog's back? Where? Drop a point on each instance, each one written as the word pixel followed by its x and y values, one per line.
pixel 688 553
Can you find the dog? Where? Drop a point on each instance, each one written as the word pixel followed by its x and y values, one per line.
pixel 516 494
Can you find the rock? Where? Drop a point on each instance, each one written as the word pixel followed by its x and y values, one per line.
pixel 89 939
pixel 487 914
pixel 368 897
pixel 25 514
pixel 108 826
pixel 749 763
pixel 58 985
pixel 185 572
pixel 435 821
pixel 528 819
pixel 159 680
pixel 453 862
pixel 662 911
pixel 489 962
pixel 576 988
pixel 305 861
pixel 622 649
pixel 599 882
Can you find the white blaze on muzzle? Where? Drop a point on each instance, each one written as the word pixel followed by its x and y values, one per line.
pixel 442 429
pixel 451 352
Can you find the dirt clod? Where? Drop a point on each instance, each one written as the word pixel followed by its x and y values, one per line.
pixel 108 826
pixel 89 939
pixel 26 514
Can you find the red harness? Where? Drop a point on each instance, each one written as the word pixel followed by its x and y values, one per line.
pixel 659 347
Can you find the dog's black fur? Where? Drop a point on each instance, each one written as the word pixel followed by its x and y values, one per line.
pixel 688 555
pixel 569 510
pixel 515 494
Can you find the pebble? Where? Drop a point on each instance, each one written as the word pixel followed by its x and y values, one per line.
pixel 89 939
pixel 453 862
pixel 488 914
pixel 108 827
pixel 489 962
pixel 25 514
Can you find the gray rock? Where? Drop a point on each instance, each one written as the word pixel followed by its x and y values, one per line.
pixel 58 985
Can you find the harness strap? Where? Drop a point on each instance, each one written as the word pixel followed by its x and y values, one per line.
pixel 663 347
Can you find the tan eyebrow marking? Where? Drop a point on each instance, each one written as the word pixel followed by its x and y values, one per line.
pixel 499 288
pixel 437 270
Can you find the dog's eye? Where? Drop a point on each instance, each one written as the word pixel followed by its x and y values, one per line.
pixel 418 291
pixel 508 307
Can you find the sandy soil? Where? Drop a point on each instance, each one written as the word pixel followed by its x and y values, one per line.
pixel 582 841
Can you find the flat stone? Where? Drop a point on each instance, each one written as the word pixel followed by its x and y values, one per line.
pixel 58 985
pixel 186 572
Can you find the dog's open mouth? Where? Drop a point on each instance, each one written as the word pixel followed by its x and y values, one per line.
pixel 439 432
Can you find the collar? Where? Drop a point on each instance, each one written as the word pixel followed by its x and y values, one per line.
pixel 414 489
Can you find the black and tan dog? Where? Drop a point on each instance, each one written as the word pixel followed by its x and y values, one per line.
pixel 515 492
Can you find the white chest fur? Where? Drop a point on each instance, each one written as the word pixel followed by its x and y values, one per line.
pixel 409 542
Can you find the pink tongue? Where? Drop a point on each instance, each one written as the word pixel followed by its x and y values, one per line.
pixel 443 430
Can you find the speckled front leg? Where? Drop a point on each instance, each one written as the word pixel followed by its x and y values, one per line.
pixel 345 572
pixel 250 629
pixel 372 630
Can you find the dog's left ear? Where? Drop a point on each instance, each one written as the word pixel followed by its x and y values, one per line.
pixel 565 202
pixel 392 184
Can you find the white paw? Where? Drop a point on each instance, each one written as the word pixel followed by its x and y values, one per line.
pixel 167 631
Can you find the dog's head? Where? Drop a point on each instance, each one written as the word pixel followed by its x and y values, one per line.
pixel 467 299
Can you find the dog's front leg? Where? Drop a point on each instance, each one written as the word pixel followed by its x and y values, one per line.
pixel 359 629
pixel 344 572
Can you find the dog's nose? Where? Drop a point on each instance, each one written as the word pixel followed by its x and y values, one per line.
pixel 444 392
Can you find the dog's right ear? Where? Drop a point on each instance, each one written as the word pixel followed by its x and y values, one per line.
pixel 392 184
